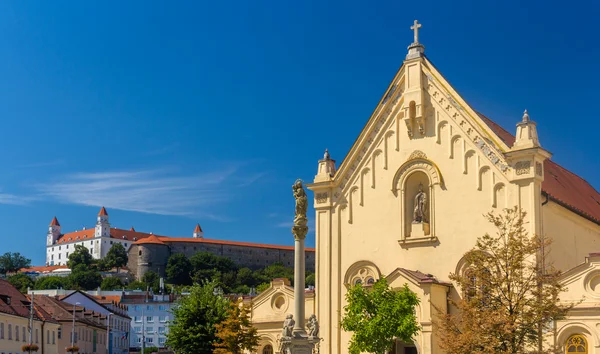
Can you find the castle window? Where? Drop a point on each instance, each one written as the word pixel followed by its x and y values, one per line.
pixel 139 252
pixel 576 344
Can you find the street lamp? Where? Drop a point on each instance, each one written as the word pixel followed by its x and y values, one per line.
pixel 108 333
pixel 73 329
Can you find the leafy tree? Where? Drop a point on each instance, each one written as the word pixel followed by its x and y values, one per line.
pixel 51 282
pixel 150 277
pixel 236 334
pixel 136 285
pixel 245 276
pixel 310 279
pixel 81 256
pixel 11 262
pixel 179 269
pixel 111 283
pixel 84 278
pixel 262 287
pixel 208 266
pixel 150 350
pixel 21 282
pixel 192 330
pixel 116 257
pixel 510 294
pixel 377 315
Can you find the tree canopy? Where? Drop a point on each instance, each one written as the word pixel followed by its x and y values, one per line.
pixel 510 295
pixel 50 282
pixel 111 283
pixel 377 315
pixel 236 334
pixel 192 330
pixel 21 282
pixel 116 257
pixel 11 262
pixel 80 256
pixel 179 269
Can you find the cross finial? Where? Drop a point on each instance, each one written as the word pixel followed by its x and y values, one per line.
pixel 415 27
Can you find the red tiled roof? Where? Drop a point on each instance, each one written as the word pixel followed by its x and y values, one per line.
pixel 19 303
pixel 42 269
pixel 197 229
pixel 114 233
pixel 54 222
pixel 102 212
pixel 561 185
pixel 152 239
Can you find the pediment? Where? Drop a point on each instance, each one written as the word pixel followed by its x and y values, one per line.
pixel 583 281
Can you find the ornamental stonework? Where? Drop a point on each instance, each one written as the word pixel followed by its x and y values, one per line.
pixel 522 167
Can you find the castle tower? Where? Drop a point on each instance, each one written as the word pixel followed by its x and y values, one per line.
pixel 102 224
pixel 198 233
pixel 53 232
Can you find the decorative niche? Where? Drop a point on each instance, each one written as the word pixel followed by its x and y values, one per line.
pixel 415 185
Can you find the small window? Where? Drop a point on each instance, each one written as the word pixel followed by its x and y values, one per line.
pixel 139 252
pixel 268 349
pixel 576 344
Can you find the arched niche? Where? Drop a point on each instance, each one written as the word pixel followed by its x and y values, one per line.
pixel 417 175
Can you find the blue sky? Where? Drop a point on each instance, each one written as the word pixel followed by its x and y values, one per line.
pixel 175 113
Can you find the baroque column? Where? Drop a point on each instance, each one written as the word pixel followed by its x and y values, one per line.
pixel 299 231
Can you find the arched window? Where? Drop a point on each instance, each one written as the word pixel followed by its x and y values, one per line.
pixel 268 349
pixel 576 344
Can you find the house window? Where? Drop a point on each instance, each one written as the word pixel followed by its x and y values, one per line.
pixel 9 331
pixel 23 334
pixel 36 336
pixel 162 319
pixel 161 330
pixel 576 344
pixel 59 332
pixel 149 308
pixel 138 319
pixel 161 340
pixel 138 329
pixel 268 349
pixel 17 333
pixel 1 330
pixel 149 319
pixel 149 329
pixel 53 337
pixel 162 307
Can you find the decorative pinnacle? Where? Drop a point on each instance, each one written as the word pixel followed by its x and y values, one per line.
pixel 326 156
pixel 415 27
pixel 525 117
pixel 416 49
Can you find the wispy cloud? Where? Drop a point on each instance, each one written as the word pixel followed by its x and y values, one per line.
pixel 148 191
pixel 7 198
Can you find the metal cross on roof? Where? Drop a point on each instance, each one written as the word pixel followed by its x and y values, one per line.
pixel 415 27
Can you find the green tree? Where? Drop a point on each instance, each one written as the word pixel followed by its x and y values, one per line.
pixel 50 282
pixel 136 285
pixel 80 256
pixel 179 269
pixel 111 283
pixel 21 282
pixel 84 278
pixel 310 279
pixel 245 276
pixel 377 315
pixel 276 270
pixel 192 330
pixel 510 295
pixel 116 257
pixel 208 266
pixel 150 350
pixel 236 334
pixel 11 262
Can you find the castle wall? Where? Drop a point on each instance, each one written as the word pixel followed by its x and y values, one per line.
pixel 144 257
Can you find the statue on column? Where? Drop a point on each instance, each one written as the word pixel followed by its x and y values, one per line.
pixel 313 326
pixel 288 326
pixel 301 203
pixel 420 206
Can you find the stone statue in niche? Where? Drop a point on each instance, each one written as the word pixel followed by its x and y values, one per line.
pixel 420 206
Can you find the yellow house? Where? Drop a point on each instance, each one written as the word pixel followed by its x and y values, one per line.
pixel 14 324
pixel 407 203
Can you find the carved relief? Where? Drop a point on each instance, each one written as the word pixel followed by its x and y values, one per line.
pixel 321 198
pixel 363 272
pixel 417 154
pixel 522 167
pixel 490 154
pixel 538 168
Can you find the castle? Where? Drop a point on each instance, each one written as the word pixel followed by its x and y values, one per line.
pixel 151 252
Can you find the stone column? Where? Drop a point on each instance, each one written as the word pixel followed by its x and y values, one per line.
pixel 299 277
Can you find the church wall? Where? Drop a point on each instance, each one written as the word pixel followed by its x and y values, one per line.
pixel 573 237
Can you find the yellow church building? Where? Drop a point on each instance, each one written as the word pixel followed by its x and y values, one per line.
pixel 407 203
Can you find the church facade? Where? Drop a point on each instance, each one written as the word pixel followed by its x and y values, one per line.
pixel 407 203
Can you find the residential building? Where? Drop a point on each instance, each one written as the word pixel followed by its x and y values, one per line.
pixel 89 333
pixel 15 315
pixel 150 315
pixel 119 321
